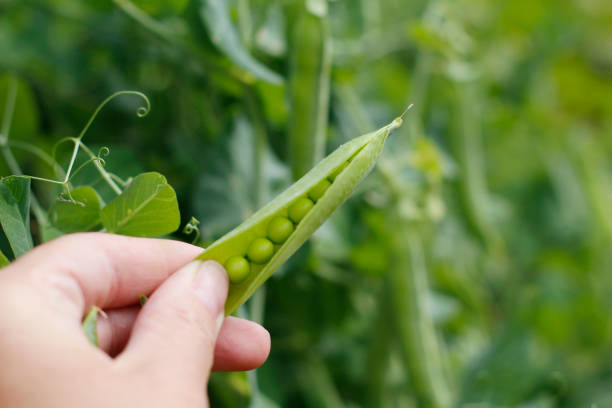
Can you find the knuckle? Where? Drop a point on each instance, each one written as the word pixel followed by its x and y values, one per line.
pixel 184 315
pixel 58 286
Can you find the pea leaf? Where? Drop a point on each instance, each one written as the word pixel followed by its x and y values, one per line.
pixel 223 34
pixel 3 260
pixel 147 208
pixel 82 214
pixel 90 325
pixel 15 213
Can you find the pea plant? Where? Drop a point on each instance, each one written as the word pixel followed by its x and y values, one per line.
pixel 146 206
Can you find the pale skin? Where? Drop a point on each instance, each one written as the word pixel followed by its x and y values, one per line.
pixel 160 355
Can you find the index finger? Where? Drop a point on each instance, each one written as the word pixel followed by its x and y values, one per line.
pixel 105 270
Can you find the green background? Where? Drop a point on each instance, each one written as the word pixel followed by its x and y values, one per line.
pixel 472 267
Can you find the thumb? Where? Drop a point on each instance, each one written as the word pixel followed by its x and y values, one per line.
pixel 177 328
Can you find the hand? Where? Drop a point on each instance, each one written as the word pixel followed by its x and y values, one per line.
pixel 159 355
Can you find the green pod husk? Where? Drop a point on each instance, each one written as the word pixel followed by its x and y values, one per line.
pixel 362 152
pixel 309 89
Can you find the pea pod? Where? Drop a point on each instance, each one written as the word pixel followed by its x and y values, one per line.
pixel 330 183
pixel 310 62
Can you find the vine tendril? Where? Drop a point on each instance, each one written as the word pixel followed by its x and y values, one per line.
pixel 140 112
pixel 191 227
pixel 103 152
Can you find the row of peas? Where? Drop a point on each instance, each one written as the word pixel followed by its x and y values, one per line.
pixel 279 229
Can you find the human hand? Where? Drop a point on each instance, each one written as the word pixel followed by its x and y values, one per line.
pixel 159 355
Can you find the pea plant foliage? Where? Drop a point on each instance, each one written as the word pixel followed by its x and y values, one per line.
pixel 144 205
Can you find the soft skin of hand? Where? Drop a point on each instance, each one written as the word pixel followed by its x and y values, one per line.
pixel 159 355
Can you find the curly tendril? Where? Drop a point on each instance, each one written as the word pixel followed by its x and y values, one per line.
pixel 140 112
pixel 103 152
pixel 143 111
pixel 191 227
pixel 98 159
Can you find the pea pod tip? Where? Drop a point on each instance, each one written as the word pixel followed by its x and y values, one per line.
pixel 400 119
pixel 406 111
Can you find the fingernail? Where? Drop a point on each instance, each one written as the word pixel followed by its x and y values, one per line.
pixel 210 285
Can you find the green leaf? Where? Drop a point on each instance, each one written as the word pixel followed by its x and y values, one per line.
pixel 90 325
pixel 3 260
pixel 15 213
pixel 224 35
pixel 147 208
pixel 82 214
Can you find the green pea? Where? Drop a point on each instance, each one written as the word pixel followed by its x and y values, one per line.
pixel 260 251
pixel 299 209
pixel 337 172
pixel 279 229
pixel 317 191
pixel 237 269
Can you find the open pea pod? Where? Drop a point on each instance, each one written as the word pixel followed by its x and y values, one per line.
pixel 254 250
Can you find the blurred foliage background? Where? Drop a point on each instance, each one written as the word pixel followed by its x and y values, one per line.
pixel 472 268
